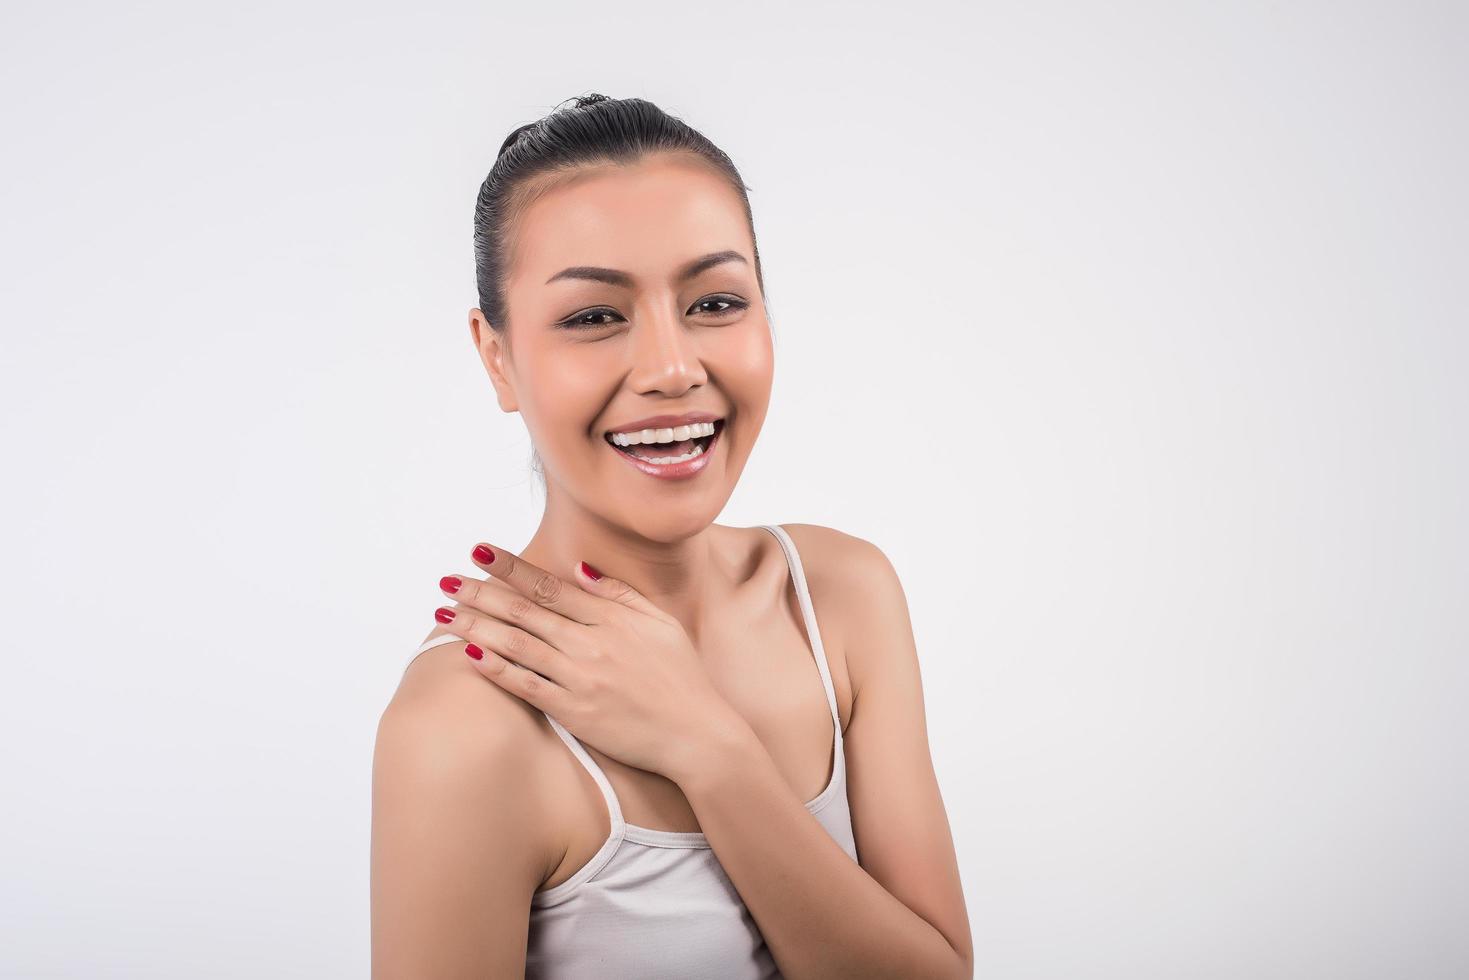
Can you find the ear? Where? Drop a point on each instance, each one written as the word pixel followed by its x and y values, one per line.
pixel 490 345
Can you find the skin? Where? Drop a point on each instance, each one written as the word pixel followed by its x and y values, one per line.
pixel 477 803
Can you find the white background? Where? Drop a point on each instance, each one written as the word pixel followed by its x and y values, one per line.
pixel 1134 335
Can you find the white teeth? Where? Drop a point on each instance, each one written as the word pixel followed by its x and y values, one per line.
pixel 642 436
pixel 667 460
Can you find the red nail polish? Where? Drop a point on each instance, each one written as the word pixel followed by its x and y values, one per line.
pixel 483 554
pixel 590 572
pixel 443 615
pixel 474 651
pixel 450 583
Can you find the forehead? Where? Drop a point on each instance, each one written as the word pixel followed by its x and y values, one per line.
pixel 647 217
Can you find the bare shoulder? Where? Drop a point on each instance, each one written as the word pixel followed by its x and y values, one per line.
pixel 442 677
pixel 842 562
pixel 445 718
pixel 855 586
pixel 459 835
pixel 828 542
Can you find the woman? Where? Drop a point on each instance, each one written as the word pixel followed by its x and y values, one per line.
pixel 603 777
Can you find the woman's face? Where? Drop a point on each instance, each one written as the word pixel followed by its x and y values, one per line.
pixel 632 294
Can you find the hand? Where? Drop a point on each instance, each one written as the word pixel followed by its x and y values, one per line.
pixel 595 654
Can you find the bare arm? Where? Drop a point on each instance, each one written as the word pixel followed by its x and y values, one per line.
pixel 457 841
pixel 901 913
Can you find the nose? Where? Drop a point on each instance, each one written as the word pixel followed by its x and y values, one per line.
pixel 665 353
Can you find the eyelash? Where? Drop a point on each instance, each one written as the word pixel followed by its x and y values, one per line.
pixel 736 305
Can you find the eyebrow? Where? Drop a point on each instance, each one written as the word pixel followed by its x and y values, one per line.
pixel 616 277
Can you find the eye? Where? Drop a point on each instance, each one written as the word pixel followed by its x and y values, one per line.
pixel 579 320
pixel 733 303
pixel 585 319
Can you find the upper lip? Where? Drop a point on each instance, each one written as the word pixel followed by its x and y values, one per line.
pixel 666 421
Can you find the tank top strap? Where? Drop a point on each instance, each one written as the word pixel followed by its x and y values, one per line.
pixel 609 795
pixel 429 644
pixel 614 809
pixel 813 631
pixel 439 640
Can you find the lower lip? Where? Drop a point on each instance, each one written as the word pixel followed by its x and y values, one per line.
pixel 673 471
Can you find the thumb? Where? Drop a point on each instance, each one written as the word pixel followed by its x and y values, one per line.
pixel 615 589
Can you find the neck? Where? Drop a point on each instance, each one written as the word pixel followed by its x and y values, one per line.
pixel 678 573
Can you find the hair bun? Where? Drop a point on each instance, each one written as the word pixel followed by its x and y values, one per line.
pixel 592 99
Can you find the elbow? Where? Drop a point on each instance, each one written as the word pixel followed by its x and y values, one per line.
pixel 964 964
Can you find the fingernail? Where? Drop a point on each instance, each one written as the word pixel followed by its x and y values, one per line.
pixel 474 651
pixel 450 583
pixel 443 615
pixel 483 554
pixel 590 572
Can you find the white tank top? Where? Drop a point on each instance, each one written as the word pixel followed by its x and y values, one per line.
pixel 654 904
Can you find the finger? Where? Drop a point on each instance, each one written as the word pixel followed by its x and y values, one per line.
pixel 528 685
pixel 615 590
pixel 546 590
pixel 508 642
pixel 505 603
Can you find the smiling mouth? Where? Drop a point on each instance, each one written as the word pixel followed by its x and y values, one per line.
pixel 669 453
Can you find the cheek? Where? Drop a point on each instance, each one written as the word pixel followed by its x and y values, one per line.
pixel 749 367
pixel 562 391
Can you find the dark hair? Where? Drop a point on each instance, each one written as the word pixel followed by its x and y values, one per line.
pixel 596 129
